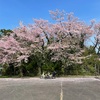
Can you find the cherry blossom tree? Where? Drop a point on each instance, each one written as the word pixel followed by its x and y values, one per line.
pixel 25 41
pixel 70 35
pixel 96 41
pixel 62 40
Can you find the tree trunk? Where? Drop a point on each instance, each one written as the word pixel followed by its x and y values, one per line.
pixel 95 70
pixel 21 72
pixel 39 71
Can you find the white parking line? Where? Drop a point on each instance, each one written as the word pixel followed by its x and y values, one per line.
pixel 61 93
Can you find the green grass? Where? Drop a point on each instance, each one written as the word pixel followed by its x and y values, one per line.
pixel 64 76
pixel 9 76
pixel 77 76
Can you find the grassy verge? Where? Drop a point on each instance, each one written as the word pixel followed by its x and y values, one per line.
pixel 78 76
pixel 64 76
pixel 9 77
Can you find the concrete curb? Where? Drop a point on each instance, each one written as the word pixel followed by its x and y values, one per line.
pixel 97 77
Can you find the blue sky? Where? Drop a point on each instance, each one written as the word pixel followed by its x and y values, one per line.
pixel 13 11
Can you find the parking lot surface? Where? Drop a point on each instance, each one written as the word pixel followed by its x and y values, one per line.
pixel 49 89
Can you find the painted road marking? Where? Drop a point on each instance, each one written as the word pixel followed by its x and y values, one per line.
pixel 61 93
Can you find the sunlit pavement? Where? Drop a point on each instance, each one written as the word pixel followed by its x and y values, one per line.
pixel 50 89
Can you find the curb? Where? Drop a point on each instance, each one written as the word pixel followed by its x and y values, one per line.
pixel 97 77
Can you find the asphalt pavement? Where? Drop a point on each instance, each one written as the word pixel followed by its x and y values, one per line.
pixel 50 89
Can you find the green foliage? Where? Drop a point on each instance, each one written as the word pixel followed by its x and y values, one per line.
pixel 89 50
pixel 7 70
pixel 74 69
pixel 48 67
pixel 90 65
pixel 5 32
